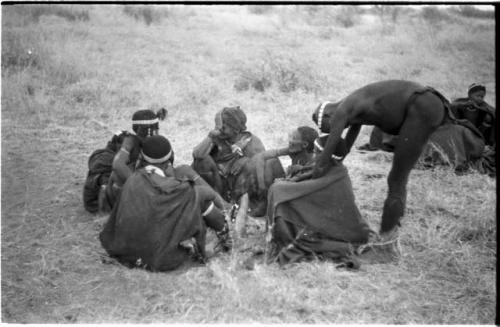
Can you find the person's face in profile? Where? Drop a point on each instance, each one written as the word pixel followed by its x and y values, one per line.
pixel 295 142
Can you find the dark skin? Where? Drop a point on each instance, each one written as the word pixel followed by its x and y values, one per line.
pixel 385 105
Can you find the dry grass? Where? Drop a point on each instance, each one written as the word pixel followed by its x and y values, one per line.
pixel 84 79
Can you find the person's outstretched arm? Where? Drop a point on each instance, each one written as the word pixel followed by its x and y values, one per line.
pixel 260 163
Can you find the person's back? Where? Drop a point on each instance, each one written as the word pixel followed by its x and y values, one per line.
pixel 160 210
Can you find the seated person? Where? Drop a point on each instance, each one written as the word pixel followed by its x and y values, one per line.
pixel 100 162
pixel 300 150
pixel 160 218
pixel 477 111
pixel 224 160
pixel 316 218
pixel 145 123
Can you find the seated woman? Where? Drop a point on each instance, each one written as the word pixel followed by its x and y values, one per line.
pixel 160 219
pixel 477 111
pixel 315 218
pixel 300 149
pixel 225 160
pixel 117 160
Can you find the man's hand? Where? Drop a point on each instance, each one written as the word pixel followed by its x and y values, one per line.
pixel 321 168
pixel 214 133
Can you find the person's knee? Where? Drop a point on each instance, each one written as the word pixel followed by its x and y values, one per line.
pixel 214 218
pixel 203 165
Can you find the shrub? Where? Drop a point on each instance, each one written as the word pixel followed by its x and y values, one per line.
pixel 434 15
pixel 387 13
pixel 32 13
pixel 22 49
pixel 284 72
pixel 145 13
pixel 343 16
pixel 473 12
pixel 260 9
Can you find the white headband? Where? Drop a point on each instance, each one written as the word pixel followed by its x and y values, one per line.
pixel 145 122
pixel 160 160
pixel 320 113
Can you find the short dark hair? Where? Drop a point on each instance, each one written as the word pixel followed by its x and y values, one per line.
pixel 308 134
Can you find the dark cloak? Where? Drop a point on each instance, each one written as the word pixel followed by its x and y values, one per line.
pixel 152 216
pixel 315 218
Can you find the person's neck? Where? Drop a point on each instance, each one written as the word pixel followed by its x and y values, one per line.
pixel 166 168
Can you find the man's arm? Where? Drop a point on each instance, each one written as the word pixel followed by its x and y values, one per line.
pixel 351 136
pixel 260 164
pixel 200 182
pixel 338 121
pixel 122 159
pixel 203 149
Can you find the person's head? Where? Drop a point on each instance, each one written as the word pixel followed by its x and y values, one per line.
pixel 145 122
pixel 476 93
pixel 321 116
pixel 230 121
pixel 302 139
pixel 156 150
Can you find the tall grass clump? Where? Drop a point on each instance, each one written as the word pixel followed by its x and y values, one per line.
pixel 434 16
pixel 341 16
pixel 281 71
pixel 147 14
pixel 25 14
pixel 25 49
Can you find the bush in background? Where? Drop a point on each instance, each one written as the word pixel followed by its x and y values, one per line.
pixel 472 12
pixel 279 70
pixel 25 14
pixel 24 49
pixel 148 14
pixel 260 9
pixel 342 16
pixel 434 16
pixel 20 50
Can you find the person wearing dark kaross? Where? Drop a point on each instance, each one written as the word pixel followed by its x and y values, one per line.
pixel 477 111
pixel 159 221
pixel 316 218
pixel 225 160
pixel 102 162
pixel 145 123
pixel 300 149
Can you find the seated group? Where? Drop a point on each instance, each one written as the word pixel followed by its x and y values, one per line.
pixel 160 212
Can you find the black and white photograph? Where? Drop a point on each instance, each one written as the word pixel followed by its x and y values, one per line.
pixel 248 163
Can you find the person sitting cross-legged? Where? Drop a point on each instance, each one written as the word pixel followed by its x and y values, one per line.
pixel 225 159
pixel 160 218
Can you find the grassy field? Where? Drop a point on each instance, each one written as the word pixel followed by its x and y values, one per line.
pixel 72 75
